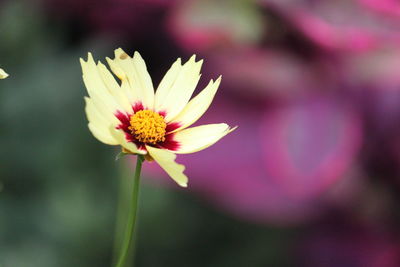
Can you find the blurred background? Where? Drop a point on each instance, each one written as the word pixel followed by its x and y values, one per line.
pixel 311 177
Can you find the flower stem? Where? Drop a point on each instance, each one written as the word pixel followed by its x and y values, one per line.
pixel 130 229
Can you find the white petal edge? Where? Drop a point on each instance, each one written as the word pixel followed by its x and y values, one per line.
pixel 119 135
pixel 197 106
pixel 198 138
pixel 3 74
pixel 177 87
pixel 135 71
pixel 166 160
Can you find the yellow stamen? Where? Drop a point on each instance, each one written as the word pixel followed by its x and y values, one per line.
pixel 148 127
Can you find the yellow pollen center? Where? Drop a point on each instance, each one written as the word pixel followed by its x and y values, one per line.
pixel 148 127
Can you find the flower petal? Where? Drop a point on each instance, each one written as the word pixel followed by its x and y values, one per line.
pixel 125 86
pixel 166 160
pixel 198 138
pixel 119 135
pixel 101 135
pixel 114 88
pixel 98 124
pixel 96 87
pixel 167 82
pixel 135 71
pixel 197 106
pixel 3 74
pixel 177 87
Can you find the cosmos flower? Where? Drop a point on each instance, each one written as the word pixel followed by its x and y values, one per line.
pixel 144 122
pixel 3 74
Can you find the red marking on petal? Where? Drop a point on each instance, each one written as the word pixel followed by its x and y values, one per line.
pixel 169 143
pixel 172 126
pixel 138 106
pixel 130 138
pixel 163 113
pixel 124 119
pixel 141 146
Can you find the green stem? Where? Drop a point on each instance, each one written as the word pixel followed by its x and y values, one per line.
pixel 130 229
pixel 122 214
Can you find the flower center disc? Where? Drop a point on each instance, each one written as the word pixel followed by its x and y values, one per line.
pixel 148 127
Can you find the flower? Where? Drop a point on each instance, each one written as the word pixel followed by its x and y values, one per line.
pixel 3 74
pixel 142 122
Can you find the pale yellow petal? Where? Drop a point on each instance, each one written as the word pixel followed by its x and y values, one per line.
pixel 177 87
pixel 3 74
pixel 101 135
pixel 114 88
pixel 119 135
pixel 98 124
pixel 135 71
pixel 166 84
pixel 104 111
pixel 132 94
pixel 198 138
pixel 197 106
pixel 94 115
pixel 96 87
pixel 125 85
pixel 167 162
